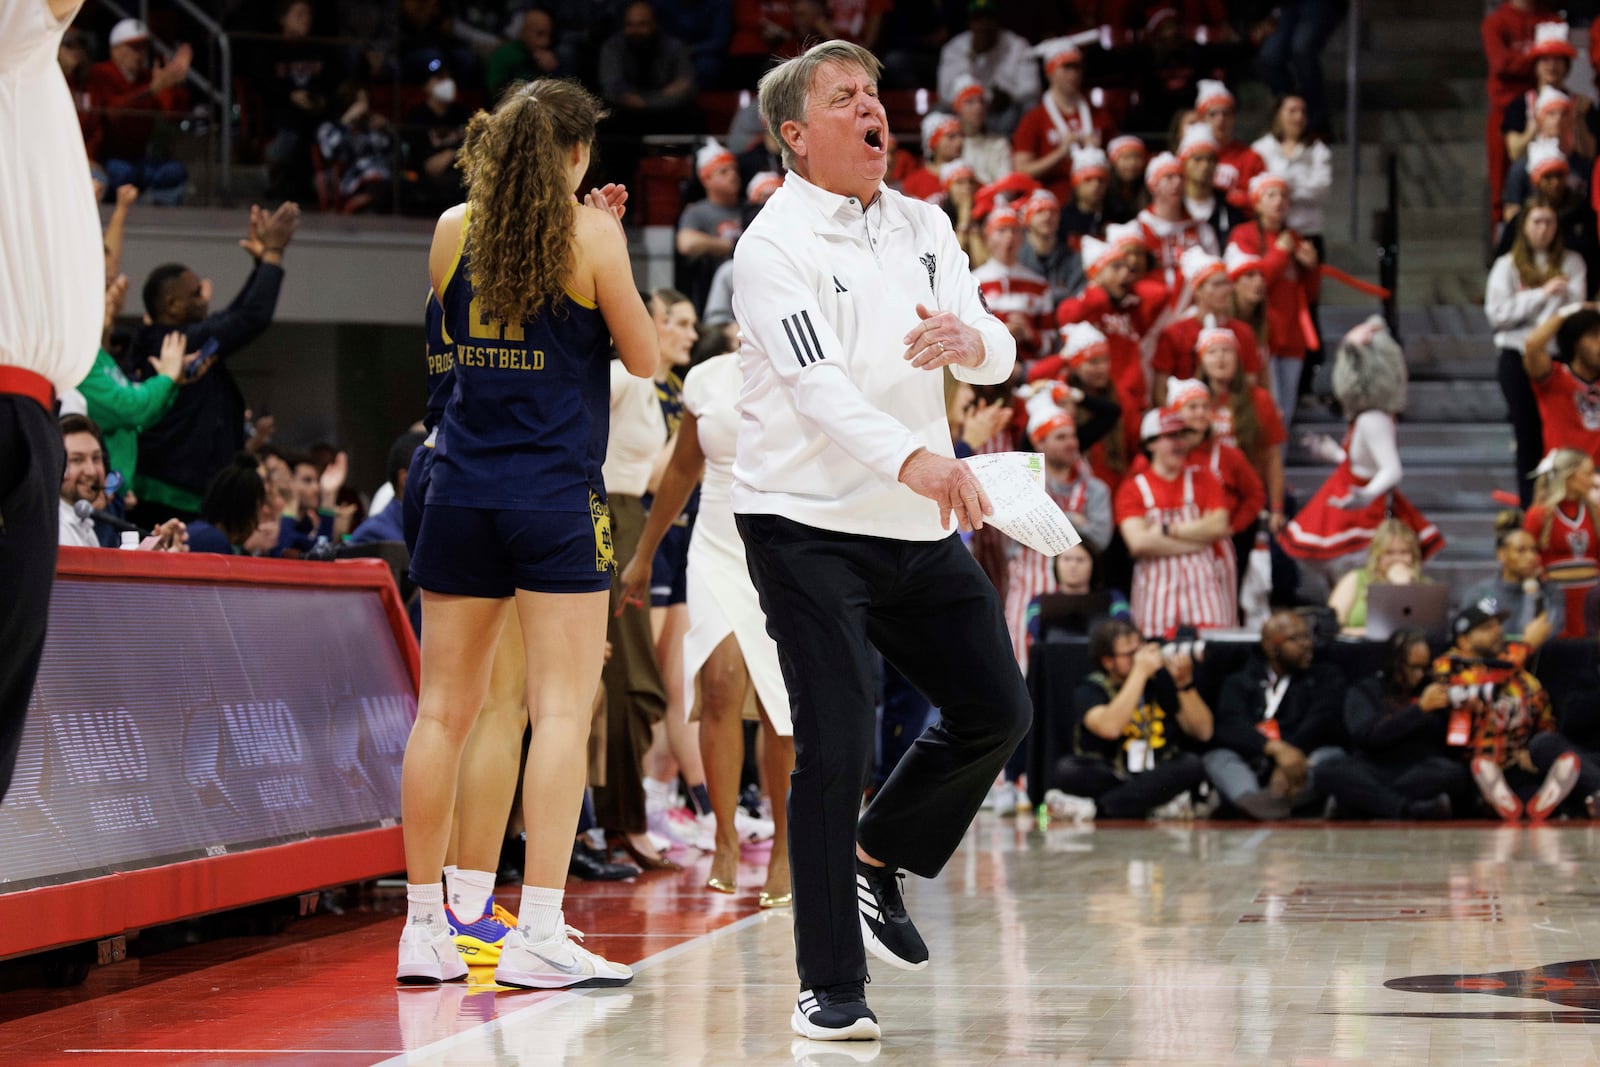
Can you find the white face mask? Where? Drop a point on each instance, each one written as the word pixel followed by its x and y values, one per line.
pixel 444 91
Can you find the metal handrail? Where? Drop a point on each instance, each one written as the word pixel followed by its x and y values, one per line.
pixel 222 97
pixel 1352 96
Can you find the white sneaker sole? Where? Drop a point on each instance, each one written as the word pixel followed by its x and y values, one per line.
pixel 557 980
pixel 860 1030
pixel 424 973
pixel 881 951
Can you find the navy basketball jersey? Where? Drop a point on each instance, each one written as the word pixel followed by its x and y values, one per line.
pixel 670 395
pixel 440 356
pixel 526 424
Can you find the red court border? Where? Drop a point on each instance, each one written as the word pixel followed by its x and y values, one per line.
pixel 52 916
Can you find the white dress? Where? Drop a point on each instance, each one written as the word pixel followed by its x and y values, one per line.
pixel 721 598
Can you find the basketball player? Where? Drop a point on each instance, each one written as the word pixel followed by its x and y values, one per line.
pixel 535 288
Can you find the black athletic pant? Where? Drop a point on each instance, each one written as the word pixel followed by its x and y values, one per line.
pixel 31 462
pixel 1527 428
pixel 1132 796
pixel 1385 791
pixel 830 598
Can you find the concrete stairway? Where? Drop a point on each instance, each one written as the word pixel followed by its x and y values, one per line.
pixel 1421 96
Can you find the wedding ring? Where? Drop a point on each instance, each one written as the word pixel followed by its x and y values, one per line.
pixel 941 346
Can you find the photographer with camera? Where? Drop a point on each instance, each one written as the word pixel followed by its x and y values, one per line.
pixel 1500 713
pixel 1277 719
pixel 1399 766
pixel 1139 722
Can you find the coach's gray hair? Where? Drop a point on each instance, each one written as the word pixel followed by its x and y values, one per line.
pixel 783 90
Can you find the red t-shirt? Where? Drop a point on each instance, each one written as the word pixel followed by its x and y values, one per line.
pixel 748 16
pixel 1125 324
pixel 1270 434
pixel 1242 490
pixel 1291 290
pixel 128 110
pixel 1038 136
pixel 1570 411
pixel 1570 556
pixel 1208 494
pixel 1237 163
pixel 849 17
pixel 1175 356
pixel 923 184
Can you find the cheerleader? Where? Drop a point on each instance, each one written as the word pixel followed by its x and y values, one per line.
pixel 1369 380
pixel 1563 523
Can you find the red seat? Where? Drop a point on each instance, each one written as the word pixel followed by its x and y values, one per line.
pixel 659 187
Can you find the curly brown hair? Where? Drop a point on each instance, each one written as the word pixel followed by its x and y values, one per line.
pixel 519 228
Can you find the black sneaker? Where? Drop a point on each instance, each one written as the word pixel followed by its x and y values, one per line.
pixel 835 1013
pixel 885 927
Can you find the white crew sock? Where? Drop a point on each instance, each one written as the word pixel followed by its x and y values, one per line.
pixel 425 904
pixel 469 893
pixel 539 915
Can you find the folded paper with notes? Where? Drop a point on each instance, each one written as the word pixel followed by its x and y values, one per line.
pixel 1023 511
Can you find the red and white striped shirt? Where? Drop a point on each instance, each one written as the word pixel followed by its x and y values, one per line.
pixel 1193 589
pixel 1030 573
pixel 1018 290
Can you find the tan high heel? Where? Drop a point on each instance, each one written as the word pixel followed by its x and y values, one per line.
pixel 775 900
pixel 721 886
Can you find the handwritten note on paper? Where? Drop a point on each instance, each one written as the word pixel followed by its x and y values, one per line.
pixel 1023 511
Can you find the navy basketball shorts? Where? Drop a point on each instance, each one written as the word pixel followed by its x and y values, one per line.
pixel 418 476
pixel 669 569
pixel 487 552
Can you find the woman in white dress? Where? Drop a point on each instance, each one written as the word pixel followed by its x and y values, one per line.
pixel 727 652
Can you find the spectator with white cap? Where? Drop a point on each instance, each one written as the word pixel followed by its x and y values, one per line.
pixel 1108 420
pixel 1169 229
pixel 997 59
pixel 1172 518
pixel 130 94
pixel 1294 279
pixel 1082 497
pixel 708 228
pixel 942 141
pixel 1509 45
pixel 1241 486
pixel 1043 143
pixel 1552 125
pixel 1043 251
pixel 1126 194
pixel 1551 178
pixel 960 197
pixel 988 153
pixel 1123 316
pixel 1237 162
pixel 1207 299
pixel 1198 152
pixel 719 300
pixel 1552 55
pixel 1014 294
pixel 1085 213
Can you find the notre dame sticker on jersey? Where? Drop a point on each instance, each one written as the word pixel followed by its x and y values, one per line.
pixel 605 557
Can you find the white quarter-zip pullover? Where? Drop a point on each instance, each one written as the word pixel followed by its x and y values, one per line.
pixel 824 293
